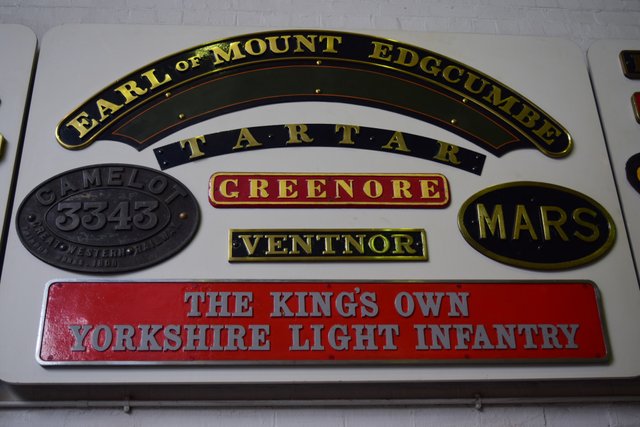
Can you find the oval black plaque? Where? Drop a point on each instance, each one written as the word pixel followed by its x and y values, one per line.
pixel 632 169
pixel 536 225
pixel 107 218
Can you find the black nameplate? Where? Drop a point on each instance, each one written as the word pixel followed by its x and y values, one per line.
pixel 327 245
pixel 536 225
pixel 318 135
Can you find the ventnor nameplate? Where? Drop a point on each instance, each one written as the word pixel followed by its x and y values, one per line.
pixel 536 225
pixel 107 218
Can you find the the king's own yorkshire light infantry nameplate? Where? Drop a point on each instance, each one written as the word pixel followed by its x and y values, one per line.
pixel 296 190
pixel 104 323
pixel 328 245
pixel 107 218
pixel 536 225
pixel 288 65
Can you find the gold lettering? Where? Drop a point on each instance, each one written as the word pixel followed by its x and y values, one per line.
pixel 258 188
pixel 446 73
pixel 547 223
pixel 308 43
pixel 402 244
pixel 131 91
pixel 397 139
pixel 527 116
pixel 328 242
pixel 106 108
pixel 523 222
pixel 82 124
pixel 471 79
pixel 381 51
pixel 430 69
pixel 249 47
pixel 285 188
pixel 298 134
pixel 251 247
pixel 547 132
pixel 402 57
pixel 576 215
pixel 447 153
pixel 372 189
pixel 331 43
pixel 274 244
pixel 296 240
pixel 194 146
pixel 273 43
pixel 385 243
pixel 495 97
pixel 224 189
pixel 347 133
pixel 245 136
pixel 347 187
pixel 231 54
pixel 350 241
pixel 429 188
pixel 314 188
pixel 151 77
pixel 496 220
pixel 401 189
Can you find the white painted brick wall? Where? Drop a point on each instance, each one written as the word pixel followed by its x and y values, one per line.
pixel 582 21
pixel 600 415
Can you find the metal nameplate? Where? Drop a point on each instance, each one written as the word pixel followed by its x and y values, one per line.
pixel 632 169
pixel 313 322
pixel 252 245
pixel 107 218
pixel 635 104
pixel 536 225
pixel 630 61
pixel 237 73
pixel 318 135
pixel 328 190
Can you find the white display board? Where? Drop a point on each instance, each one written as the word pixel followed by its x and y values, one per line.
pixel 19 44
pixel 78 61
pixel 613 94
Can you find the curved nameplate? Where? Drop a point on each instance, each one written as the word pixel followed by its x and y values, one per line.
pixel 289 66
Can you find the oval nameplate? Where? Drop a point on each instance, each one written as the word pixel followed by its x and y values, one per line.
pixel 536 225
pixel 632 169
pixel 107 218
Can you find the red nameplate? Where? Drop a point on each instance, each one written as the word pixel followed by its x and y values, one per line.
pixel 296 190
pixel 320 322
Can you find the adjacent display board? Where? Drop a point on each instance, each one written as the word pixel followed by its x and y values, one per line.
pixel 19 44
pixel 232 206
pixel 616 84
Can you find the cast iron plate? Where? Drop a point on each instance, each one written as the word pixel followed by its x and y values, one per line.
pixel 107 218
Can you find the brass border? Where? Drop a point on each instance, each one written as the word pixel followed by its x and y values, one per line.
pixel 635 106
pixel 424 256
pixel 463 96
pixel 443 204
pixel 533 265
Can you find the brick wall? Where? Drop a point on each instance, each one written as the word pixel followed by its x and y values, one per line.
pixel 582 21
